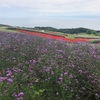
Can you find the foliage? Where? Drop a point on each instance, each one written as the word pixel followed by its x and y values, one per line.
pixel 70 31
pixel 95 41
pixel 3 25
pixel 90 32
pixel 8 29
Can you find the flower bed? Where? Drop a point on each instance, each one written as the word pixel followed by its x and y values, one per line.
pixel 55 37
pixel 37 68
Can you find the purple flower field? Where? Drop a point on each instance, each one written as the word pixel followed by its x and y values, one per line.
pixel 34 68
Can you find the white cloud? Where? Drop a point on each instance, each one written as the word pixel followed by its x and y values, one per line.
pixel 56 6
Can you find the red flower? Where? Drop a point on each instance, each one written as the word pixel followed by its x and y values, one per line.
pixel 54 37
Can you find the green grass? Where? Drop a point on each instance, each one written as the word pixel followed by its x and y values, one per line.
pixel 70 36
pixel 84 35
pixel 95 41
pixel 6 30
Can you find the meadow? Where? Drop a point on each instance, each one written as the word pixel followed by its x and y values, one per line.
pixel 4 29
pixel 37 68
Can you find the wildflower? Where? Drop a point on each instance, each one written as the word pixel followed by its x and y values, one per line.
pixel 20 94
pixel 9 80
pixel 14 95
pixel 77 81
pixel 30 69
pixel 80 71
pixel 73 66
pixel 48 69
pixel 65 73
pixel 67 87
pixel 52 72
pixel 72 90
pixel 71 76
pixel 57 93
pixel 2 79
pixel 9 73
pixel 77 97
pixel 61 75
pixel 97 95
pixel 60 78
pixel 20 98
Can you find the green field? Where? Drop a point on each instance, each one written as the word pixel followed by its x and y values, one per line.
pixel 6 30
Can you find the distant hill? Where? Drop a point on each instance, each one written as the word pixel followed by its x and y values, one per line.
pixel 69 30
pixel 63 30
pixel 3 25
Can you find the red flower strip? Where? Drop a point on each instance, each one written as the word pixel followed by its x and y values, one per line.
pixel 55 37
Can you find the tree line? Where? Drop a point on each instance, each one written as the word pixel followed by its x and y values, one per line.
pixel 70 31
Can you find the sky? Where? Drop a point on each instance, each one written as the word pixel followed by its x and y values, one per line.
pixel 54 13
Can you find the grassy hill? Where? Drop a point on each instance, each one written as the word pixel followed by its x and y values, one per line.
pixel 65 30
pixel 52 29
pixel 3 25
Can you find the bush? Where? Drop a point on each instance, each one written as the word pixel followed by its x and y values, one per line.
pixel 90 31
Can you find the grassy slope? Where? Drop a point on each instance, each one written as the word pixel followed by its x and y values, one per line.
pixel 6 30
pixel 66 35
pixel 84 35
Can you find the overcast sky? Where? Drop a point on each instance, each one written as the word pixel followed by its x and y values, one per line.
pixel 56 13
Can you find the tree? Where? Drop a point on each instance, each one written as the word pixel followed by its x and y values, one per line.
pixel 93 32
pixel 90 31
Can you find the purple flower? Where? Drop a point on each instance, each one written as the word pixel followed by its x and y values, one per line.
pixel 48 69
pixel 60 79
pixel 14 95
pixel 9 73
pixel 2 78
pixel 17 70
pixel 20 98
pixel 97 95
pixel 30 69
pixel 70 76
pixel 80 71
pixel 57 93
pixel 9 80
pixel 20 94
pixel 72 90
pixel 52 72
pixel 65 73
pixel 67 87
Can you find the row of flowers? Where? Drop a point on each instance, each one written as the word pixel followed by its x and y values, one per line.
pixel 55 37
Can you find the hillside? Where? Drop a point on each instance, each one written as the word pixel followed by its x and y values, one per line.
pixel 65 30
pixel 46 29
pixel 3 25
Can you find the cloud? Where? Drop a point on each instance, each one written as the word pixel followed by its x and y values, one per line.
pixel 56 6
